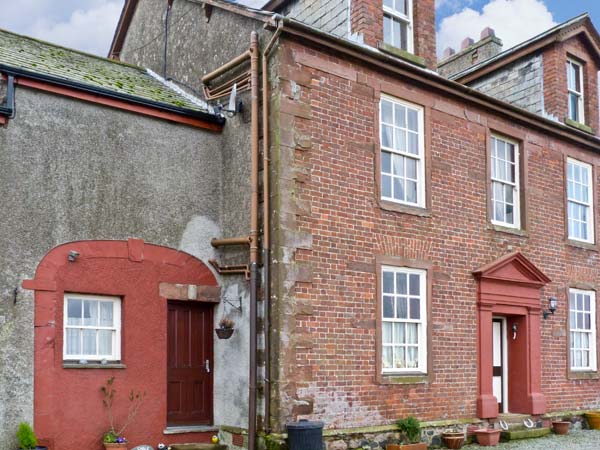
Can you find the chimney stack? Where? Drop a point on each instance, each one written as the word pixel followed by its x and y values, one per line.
pixel 470 53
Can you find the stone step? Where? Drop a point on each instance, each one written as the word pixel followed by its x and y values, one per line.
pixel 525 433
pixel 198 447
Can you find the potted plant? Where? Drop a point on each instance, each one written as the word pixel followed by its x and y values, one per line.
pixel 113 439
pixel 593 419
pixel 487 437
pixel 225 329
pixel 26 438
pixel 561 426
pixel 453 438
pixel 410 430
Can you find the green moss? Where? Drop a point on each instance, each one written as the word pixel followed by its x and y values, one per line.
pixel 579 126
pixel 403 54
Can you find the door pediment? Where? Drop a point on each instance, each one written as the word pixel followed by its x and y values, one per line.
pixel 514 268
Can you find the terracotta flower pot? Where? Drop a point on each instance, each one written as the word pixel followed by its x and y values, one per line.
pixel 560 426
pixel 487 437
pixel 115 446
pixel 593 420
pixel 453 439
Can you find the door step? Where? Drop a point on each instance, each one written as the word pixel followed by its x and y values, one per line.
pixel 198 447
pixel 524 433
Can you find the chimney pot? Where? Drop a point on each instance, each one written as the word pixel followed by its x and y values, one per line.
pixel 448 52
pixel 467 42
pixel 487 32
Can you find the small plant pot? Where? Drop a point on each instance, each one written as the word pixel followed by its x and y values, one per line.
pixel 593 420
pixel 453 439
pixel 561 426
pixel 115 446
pixel 224 333
pixel 487 437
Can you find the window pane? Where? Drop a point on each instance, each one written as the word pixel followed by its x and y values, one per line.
pixel 89 342
pixel 73 312
pixel 586 303
pixel 404 36
pixel 387 357
pixel 411 333
pixel 413 120
pixel 415 284
pixel 386 136
pixel 401 283
pixel 400 140
pixel 386 333
pixel 401 306
pixel 73 338
pixel 387 30
pixel 106 314
pixel 401 7
pixel 105 342
pixel 400 117
pixel 388 307
pixel 388 282
pixel 412 360
pixel 411 191
pixel 386 162
pixel 90 313
pixel 386 186
pixel 388 3
pixel 399 358
pixel 387 111
pixel 397 33
pixel 415 308
pixel 399 337
pixel 573 107
pixel 399 189
pixel 398 165
pixel 413 143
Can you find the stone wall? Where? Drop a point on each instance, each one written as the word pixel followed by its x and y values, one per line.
pixel 520 83
pixel 71 170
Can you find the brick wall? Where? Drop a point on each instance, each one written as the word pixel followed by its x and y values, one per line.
pixel 329 227
pixel 366 18
pixel 555 79
pixel 520 83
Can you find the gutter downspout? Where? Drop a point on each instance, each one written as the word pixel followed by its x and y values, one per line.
pixel 266 222
pixel 253 243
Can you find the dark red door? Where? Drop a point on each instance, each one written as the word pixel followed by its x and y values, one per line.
pixel 190 363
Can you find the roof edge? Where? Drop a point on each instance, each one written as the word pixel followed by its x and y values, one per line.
pixel 211 118
pixel 434 80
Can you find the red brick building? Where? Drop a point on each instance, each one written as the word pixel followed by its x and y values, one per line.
pixel 433 243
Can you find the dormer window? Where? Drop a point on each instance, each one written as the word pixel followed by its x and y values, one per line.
pixel 575 87
pixel 397 24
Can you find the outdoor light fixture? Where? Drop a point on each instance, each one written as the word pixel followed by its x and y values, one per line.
pixel 73 255
pixel 551 307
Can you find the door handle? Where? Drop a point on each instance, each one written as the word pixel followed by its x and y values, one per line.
pixel 207 366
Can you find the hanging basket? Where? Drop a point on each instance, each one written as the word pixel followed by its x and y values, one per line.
pixel 224 333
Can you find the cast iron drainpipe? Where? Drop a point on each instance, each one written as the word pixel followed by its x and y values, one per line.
pixel 266 221
pixel 9 109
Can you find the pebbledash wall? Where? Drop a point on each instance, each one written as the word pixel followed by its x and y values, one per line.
pixel 73 171
pixel 326 281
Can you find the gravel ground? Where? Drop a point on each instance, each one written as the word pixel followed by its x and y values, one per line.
pixel 575 440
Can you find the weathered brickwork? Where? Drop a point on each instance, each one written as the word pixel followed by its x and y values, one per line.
pixel 555 80
pixel 329 228
pixel 520 83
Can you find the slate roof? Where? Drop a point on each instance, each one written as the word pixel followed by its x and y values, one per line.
pixel 580 19
pixel 24 55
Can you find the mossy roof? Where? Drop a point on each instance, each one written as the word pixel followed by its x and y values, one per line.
pixel 26 54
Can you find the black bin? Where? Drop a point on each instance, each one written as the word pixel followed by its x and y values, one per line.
pixel 305 435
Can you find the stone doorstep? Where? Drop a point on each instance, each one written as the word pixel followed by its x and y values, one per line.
pixel 198 447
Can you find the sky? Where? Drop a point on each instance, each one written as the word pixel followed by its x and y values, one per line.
pixel 89 25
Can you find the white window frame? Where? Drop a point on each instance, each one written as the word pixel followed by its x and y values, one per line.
pixel 580 95
pixel 516 185
pixel 419 157
pixel 589 205
pixel 421 322
pixel 396 15
pixel 116 328
pixel 593 364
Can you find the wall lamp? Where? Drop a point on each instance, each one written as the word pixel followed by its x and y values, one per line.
pixel 551 307
pixel 73 255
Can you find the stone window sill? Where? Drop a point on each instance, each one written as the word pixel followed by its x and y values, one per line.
pixel 582 245
pixel 402 54
pixel 583 375
pixel 404 379
pixel 76 365
pixel 501 229
pixel 579 126
pixel 405 209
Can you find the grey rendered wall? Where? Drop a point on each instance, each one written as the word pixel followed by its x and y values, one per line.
pixel 330 16
pixel 198 46
pixel 520 83
pixel 71 170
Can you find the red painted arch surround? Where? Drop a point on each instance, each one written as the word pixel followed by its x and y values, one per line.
pixel 68 409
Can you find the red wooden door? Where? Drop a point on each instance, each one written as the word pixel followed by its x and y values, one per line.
pixel 190 363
